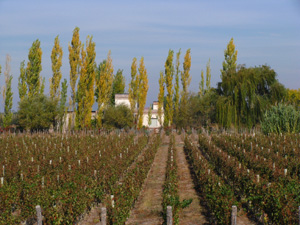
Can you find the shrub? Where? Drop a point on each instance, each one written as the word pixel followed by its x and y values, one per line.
pixel 281 119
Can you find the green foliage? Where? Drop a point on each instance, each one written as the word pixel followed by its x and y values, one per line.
pixel 281 119
pixel 22 85
pixel 118 86
pixel 8 103
pixel 37 112
pixel 169 73
pixel 34 68
pixel 7 95
pixel 62 102
pixel 118 117
pixel 246 95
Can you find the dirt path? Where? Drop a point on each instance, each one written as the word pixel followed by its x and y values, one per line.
pixel 148 208
pixel 193 213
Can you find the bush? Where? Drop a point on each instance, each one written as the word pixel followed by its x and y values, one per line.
pixel 281 119
pixel 37 113
pixel 118 117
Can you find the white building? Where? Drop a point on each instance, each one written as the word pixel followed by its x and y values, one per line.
pixel 124 99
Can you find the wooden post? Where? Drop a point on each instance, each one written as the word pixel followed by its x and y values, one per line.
pixel 103 216
pixel 169 215
pixel 39 215
pixel 233 215
pixel 299 214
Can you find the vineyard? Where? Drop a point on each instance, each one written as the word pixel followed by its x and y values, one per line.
pixel 69 174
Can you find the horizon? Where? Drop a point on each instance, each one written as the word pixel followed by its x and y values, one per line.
pixel 265 32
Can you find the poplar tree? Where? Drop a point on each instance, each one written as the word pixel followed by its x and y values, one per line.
pixel 7 94
pixel 118 86
pixel 133 86
pixel 201 85
pixel 104 84
pixel 169 73
pixel 176 94
pixel 161 95
pixel 208 76
pixel 185 81
pixel 63 101
pixel 85 94
pixel 149 116
pixel 74 60
pixel 56 59
pixel 22 85
pixel 34 68
pixel 142 91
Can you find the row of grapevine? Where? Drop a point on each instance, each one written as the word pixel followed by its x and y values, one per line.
pixel 63 174
pixel 219 197
pixel 278 200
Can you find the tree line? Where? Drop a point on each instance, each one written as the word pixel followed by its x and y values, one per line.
pixel 241 99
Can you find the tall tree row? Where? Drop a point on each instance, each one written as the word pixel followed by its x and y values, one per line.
pixel 161 95
pixel 104 81
pixel 74 60
pixel 169 73
pixel 142 91
pixel 7 94
pixel 133 86
pixel 85 88
pixel 176 87
pixel 56 59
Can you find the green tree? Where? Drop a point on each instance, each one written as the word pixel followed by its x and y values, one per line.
pixel 104 81
pixel 160 97
pixel 185 81
pixel 56 59
pixel 117 117
pixel 169 73
pixel 149 115
pixel 133 86
pixel 201 85
pixel 34 68
pixel 74 60
pixel 118 85
pixel 62 103
pixel 37 112
pixel 22 81
pixel 176 88
pixel 208 76
pixel 8 95
pixel 142 91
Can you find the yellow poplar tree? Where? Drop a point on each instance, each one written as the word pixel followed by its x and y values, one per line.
pixel 169 73
pixel 104 84
pixel 74 60
pixel 142 91
pixel 185 81
pixel 161 96
pixel 56 59
pixel 85 93
pixel 176 88
pixel 133 86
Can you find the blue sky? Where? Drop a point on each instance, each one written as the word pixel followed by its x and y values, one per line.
pixel 264 31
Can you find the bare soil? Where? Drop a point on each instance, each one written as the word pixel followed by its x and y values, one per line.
pixel 193 214
pixel 148 207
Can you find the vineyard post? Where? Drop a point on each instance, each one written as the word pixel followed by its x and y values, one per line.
pixel 169 215
pixel 103 216
pixel 233 215
pixel 39 215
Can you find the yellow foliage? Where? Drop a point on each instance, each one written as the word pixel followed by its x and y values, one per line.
pixel 142 91
pixel 104 85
